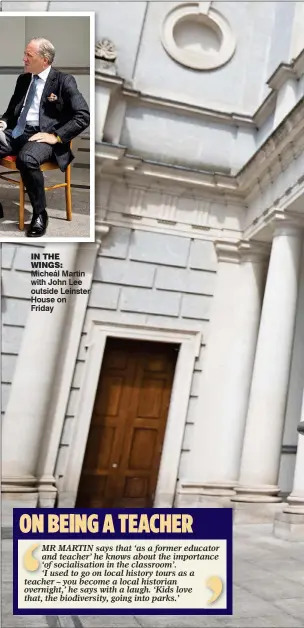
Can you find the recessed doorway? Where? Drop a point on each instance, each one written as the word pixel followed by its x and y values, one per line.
pixel 127 429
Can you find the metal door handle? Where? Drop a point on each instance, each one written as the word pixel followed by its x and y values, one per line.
pixel 114 465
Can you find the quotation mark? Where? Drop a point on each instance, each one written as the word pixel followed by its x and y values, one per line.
pixel 31 563
pixel 216 585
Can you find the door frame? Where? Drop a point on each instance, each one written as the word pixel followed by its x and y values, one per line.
pixel 190 340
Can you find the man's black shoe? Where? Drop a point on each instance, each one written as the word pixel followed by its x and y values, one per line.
pixel 1 211
pixel 38 225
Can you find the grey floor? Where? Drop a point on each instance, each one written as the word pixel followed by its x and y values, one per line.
pixel 268 590
pixel 58 227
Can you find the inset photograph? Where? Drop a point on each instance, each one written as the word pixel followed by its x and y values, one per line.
pixel 46 149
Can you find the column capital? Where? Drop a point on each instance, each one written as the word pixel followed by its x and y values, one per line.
pixel 295 503
pixel 101 230
pixel 287 229
pixel 241 251
pixel 286 223
pixel 253 251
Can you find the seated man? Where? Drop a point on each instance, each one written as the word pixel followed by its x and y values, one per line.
pixel 45 113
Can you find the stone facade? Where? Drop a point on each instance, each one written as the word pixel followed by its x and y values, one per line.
pixel 199 210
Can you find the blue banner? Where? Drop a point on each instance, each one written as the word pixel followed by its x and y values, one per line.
pixel 70 561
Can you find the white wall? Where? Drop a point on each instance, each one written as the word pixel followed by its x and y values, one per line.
pixel 153 278
pixel 135 29
pixel 119 21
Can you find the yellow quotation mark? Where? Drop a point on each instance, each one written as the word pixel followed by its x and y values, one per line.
pixel 31 563
pixel 216 585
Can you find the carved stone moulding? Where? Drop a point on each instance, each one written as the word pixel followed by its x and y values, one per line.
pixel 198 36
pixel 105 56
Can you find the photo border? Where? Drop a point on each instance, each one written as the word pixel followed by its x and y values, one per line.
pixel 211 524
pixel 91 15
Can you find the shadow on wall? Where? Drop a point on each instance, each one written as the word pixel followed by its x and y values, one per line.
pixel 170 138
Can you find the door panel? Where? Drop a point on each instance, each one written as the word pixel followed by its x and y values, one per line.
pixel 125 441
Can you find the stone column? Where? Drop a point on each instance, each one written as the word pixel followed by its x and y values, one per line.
pixel 32 390
pixel 296 498
pixel 231 343
pixel 295 501
pixel 289 524
pixel 267 403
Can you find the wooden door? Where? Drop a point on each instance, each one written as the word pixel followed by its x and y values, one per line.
pixel 128 425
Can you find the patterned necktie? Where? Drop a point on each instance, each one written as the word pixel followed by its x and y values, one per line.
pixel 19 128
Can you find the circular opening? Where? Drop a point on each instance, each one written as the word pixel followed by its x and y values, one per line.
pixel 194 34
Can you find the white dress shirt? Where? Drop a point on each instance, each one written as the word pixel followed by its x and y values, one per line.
pixel 32 117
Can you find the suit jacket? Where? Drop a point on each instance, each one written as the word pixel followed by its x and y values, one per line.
pixel 67 116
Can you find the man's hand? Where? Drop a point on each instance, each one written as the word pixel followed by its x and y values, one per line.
pixel 3 125
pixel 47 138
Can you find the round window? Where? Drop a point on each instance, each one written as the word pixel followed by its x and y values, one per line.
pixel 198 40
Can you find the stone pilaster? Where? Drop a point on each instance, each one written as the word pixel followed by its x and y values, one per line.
pixel 220 419
pixel 63 375
pixel 31 391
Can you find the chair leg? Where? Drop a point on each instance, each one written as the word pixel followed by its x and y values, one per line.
pixel 68 195
pixel 21 205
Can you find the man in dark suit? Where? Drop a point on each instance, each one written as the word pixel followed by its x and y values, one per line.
pixel 45 113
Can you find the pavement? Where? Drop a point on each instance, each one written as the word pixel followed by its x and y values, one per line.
pixel 59 227
pixel 268 591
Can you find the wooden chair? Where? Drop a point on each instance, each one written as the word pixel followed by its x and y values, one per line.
pixel 9 162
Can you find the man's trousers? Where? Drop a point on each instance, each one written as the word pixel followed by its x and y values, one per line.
pixel 30 156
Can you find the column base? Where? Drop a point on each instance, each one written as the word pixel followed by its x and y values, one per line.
pixel 254 512
pixel 18 491
pixel 47 499
pixel 295 504
pixel 221 489
pixel 289 527
pixel 197 495
pixel 66 500
pixel 257 494
pixel 18 484
pixel 16 500
pixel 47 492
